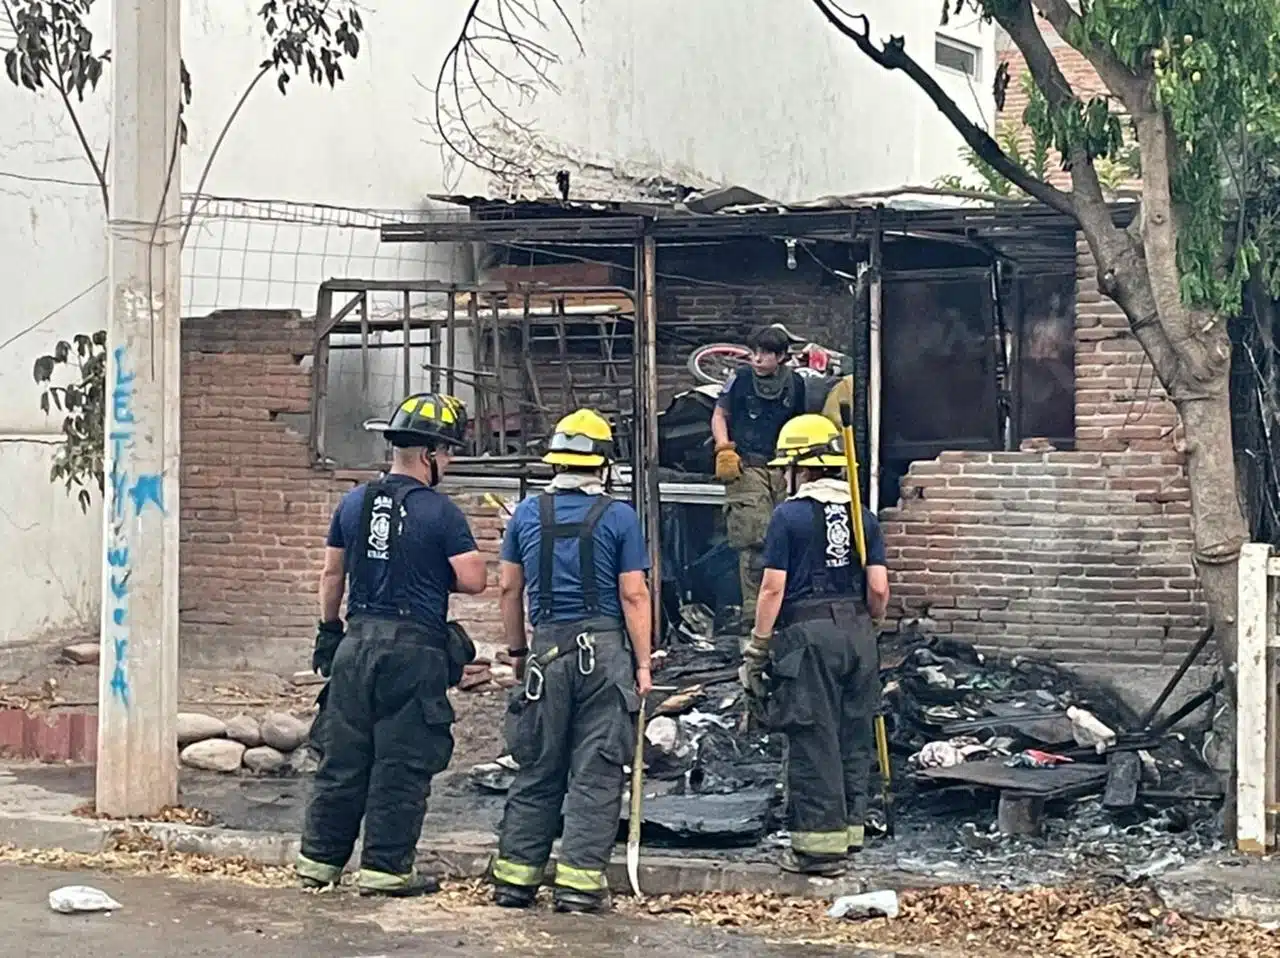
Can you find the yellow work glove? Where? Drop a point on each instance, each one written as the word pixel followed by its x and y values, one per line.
pixel 728 463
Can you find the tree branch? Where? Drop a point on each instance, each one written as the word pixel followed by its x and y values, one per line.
pixel 893 56
pixel 1118 77
pixel 222 135
pixel 1122 272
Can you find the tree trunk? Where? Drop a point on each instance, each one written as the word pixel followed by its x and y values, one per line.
pixel 1217 520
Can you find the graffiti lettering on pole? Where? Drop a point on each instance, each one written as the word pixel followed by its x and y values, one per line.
pixel 127 489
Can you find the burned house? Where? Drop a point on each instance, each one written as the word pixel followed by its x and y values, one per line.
pixel 981 334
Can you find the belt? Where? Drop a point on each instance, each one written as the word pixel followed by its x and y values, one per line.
pixel 583 643
pixel 817 610
pixel 431 635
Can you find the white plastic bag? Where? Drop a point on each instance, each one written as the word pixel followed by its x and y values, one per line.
pixel 71 899
pixel 876 904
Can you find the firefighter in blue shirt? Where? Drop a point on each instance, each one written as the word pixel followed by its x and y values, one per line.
pixel 581 557
pixel 404 547
pixel 823 683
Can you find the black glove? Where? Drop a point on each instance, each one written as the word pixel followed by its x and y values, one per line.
pixel 328 638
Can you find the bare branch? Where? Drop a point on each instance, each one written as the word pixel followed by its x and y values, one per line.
pixel 892 55
pixel 476 93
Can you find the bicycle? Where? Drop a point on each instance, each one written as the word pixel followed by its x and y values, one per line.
pixel 713 363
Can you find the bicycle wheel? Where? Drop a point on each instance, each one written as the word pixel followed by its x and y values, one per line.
pixel 714 362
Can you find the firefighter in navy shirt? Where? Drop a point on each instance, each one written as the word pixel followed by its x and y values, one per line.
pixel 581 557
pixel 823 684
pixel 403 547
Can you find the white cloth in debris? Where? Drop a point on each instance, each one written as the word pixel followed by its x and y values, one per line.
pixel 826 491
pixel 584 482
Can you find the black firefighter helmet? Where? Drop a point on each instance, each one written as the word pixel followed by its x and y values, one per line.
pixel 427 419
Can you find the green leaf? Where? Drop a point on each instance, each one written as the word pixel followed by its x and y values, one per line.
pixel 43 370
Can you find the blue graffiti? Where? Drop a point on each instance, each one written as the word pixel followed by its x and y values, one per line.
pixel 145 489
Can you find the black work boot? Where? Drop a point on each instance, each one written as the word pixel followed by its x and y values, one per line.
pixel 513 896
pixel 382 884
pixel 822 866
pixel 579 902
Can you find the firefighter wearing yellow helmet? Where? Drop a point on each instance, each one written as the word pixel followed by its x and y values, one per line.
pixel 822 686
pixel 579 557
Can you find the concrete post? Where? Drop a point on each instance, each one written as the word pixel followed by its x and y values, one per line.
pixel 138 682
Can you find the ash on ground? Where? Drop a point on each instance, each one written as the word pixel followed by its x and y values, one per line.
pixel 713 785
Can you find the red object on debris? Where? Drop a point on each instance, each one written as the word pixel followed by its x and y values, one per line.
pixel 1034 758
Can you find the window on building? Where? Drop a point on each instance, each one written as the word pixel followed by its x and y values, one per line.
pixel 955 55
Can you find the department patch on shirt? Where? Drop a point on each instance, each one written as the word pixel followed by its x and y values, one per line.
pixel 379 544
pixel 838 535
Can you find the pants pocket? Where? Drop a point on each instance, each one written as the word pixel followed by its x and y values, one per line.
pixel 437 739
pixel 520 727
pixel 625 740
pixel 789 707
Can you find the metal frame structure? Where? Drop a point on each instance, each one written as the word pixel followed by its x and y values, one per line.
pixel 483 315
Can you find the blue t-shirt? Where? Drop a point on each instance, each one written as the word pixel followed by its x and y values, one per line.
pixel 790 547
pixel 619 548
pixel 434 531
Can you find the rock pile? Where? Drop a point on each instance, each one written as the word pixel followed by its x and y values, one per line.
pixel 275 744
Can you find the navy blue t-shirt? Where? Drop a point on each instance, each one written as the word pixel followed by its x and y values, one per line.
pixel 434 531
pixel 619 548
pixel 789 546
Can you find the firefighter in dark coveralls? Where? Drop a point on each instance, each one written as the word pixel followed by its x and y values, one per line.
pixel 387 724
pixel 756 402
pixel 823 684
pixel 581 557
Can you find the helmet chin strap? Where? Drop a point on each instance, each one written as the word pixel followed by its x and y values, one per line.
pixel 434 469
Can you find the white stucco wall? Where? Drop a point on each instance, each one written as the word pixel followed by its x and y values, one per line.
pixel 759 93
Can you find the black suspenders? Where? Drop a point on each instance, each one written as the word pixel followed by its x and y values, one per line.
pixel 381 527
pixel 584 532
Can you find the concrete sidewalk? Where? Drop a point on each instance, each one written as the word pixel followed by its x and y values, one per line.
pixel 38 805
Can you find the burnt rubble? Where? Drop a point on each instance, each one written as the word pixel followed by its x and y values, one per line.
pixel 968 737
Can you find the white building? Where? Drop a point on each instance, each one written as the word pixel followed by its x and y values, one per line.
pixel 758 93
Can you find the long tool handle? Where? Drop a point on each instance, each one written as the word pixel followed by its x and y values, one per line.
pixel 637 805
pixel 886 773
pixel 851 463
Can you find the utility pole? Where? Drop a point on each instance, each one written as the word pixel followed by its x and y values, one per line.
pixel 138 673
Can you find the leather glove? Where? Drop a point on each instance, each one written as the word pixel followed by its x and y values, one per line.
pixel 329 636
pixel 751 674
pixel 728 463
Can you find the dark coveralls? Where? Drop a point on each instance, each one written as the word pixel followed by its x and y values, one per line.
pixel 754 423
pixel 387 722
pixel 571 728
pixel 824 672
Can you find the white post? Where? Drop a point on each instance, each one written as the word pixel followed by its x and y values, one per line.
pixel 1253 634
pixel 138 682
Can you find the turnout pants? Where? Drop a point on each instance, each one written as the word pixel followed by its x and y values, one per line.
pixel 749 503
pixel 387 733
pixel 824 696
pixel 571 744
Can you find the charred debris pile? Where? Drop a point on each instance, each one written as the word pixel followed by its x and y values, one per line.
pixel 987 757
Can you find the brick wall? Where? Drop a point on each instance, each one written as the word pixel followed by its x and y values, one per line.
pixel 254 513
pixel 1081 556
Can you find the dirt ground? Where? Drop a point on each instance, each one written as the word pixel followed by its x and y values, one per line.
pixel 62 685
pixel 1098 921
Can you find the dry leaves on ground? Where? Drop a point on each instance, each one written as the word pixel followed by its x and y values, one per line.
pixel 1042 922
pixel 171 814
pixel 134 852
